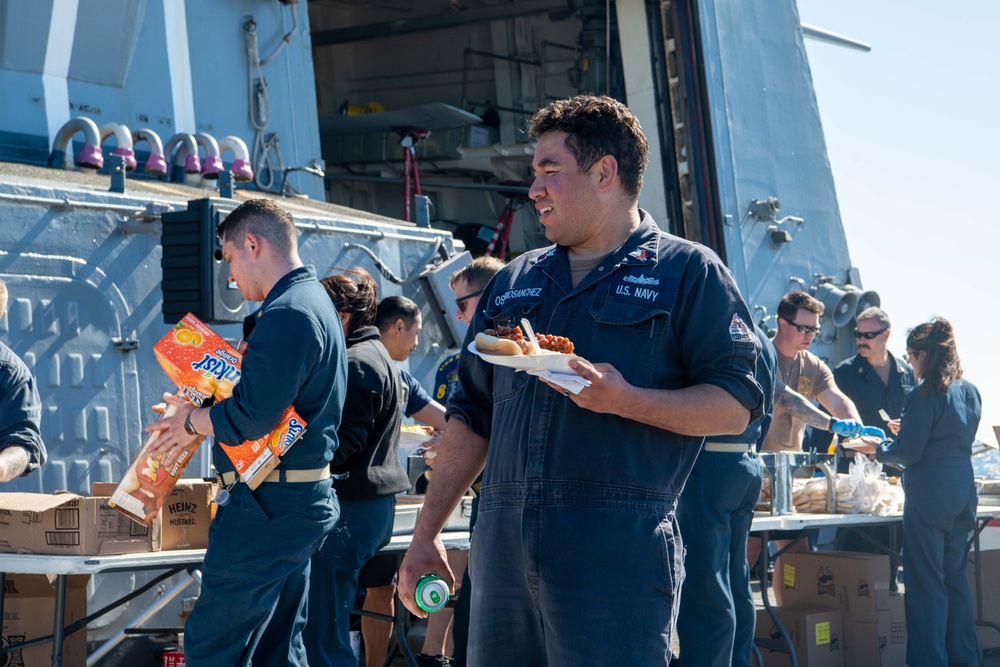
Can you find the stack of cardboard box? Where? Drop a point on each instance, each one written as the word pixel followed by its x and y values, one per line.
pixel 29 607
pixel 71 525
pixel 67 524
pixel 989 637
pixel 817 636
pixel 855 585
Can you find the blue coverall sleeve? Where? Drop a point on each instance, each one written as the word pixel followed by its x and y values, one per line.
pixel 20 414
pixel 914 433
pixel 716 348
pixel 282 351
pixel 766 367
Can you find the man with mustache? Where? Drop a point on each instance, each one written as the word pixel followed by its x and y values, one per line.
pixel 802 377
pixel 875 380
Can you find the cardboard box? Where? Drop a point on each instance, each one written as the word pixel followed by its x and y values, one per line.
pixel 254 459
pixel 66 524
pixel 878 644
pixel 29 609
pixel 816 634
pixel 203 366
pixel 990 612
pixel 855 583
pixel 185 516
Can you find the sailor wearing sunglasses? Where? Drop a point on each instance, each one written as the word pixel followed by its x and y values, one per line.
pixel 875 379
pixel 806 376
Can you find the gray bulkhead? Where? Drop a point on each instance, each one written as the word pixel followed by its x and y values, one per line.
pixel 85 282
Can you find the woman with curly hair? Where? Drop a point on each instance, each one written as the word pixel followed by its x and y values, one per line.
pixel 366 469
pixel 933 441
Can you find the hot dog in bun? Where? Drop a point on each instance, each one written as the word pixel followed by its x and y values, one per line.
pixel 510 341
pixel 488 344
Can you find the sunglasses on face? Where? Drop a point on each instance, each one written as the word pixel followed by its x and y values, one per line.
pixel 805 328
pixel 462 302
pixel 869 335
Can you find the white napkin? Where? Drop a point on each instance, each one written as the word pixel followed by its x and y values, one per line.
pixel 568 381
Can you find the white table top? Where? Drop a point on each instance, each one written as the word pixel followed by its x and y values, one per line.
pixel 799 521
pixel 162 560
pixel 457 540
pixel 50 564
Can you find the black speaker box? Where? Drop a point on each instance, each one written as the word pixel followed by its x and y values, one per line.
pixel 195 277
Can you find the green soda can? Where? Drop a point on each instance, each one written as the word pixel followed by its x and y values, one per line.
pixel 432 593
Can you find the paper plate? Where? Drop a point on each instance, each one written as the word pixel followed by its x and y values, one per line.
pixel 409 441
pixel 550 361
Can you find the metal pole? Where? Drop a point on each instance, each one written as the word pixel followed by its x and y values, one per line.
pixel 58 630
pixel 824 35
pixel 142 618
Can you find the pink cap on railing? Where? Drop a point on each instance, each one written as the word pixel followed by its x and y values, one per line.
pixel 90 157
pixel 156 164
pixel 192 165
pixel 212 166
pixel 129 155
pixel 242 170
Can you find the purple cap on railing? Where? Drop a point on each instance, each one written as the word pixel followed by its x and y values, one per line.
pixel 242 171
pixel 192 165
pixel 156 164
pixel 129 155
pixel 212 166
pixel 90 157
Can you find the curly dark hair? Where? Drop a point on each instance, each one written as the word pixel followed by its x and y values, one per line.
pixel 598 126
pixel 353 291
pixel 941 363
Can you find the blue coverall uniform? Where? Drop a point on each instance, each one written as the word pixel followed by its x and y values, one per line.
pixel 934 444
pixel 717 613
pixel 576 556
pixel 20 409
pixel 860 382
pixel 255 578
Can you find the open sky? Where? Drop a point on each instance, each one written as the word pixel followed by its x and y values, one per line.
pixel 913 135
